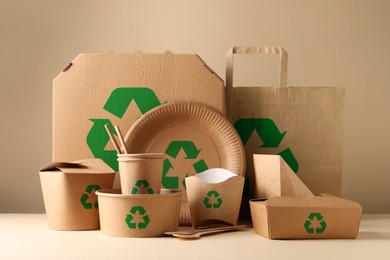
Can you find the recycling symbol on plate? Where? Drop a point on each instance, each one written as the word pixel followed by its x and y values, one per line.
pixel 142 183
pixel 142 223
pixel 117 104
pixel 192 152
pixel 321 224
pixel 269 134
pixel 86 200
pixel 212 200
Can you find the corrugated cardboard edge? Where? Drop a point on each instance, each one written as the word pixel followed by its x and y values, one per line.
pixel 136 52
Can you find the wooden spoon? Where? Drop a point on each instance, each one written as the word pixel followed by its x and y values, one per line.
pixel 196 233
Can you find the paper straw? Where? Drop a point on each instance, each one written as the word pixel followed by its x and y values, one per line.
pixel 112 138
pixel 121 140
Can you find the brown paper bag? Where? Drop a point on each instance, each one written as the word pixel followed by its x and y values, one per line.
pixel 304 125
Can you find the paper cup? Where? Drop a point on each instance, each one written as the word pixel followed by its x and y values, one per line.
pixel 140 175
pixel 214 196
pixel 143 215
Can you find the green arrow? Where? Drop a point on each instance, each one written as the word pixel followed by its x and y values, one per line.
pixel 265 128
pixel 308 228
pixel 322 229
pixel 129 219
pixel 145 223
pixel 213 193
pixel 139 183
pixel 200 166
pixel 140 209
pixel 206 202
pixel 170 182
pixel 316 215
pixel 120 99
pixel 289 158
pixel 97 140
pixel 218 204
pixel 92 187
pixel 189 148
pixel 83 200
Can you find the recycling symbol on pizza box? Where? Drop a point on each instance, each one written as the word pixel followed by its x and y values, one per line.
pixel 192 155
pixel 86 200
pixel 269 134
pixel 137 218
pixel 117 104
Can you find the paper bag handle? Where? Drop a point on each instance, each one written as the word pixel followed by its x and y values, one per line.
pixel 252 50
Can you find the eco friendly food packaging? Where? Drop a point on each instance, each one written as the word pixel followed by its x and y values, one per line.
pixel 69 193
pixel 193 137
pixel 120 88
pixel 140 215
pixel 311 217
pixel 140 174
pixel 214 196
pixel 286 208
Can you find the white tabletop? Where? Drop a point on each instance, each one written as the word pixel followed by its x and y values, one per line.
pixel 26 236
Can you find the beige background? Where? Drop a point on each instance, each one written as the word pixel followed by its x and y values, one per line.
pixel 330 42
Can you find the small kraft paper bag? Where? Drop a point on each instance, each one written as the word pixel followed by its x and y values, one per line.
pixel 304 125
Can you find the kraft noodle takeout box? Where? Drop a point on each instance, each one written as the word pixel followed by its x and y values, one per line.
pixel 69 193
pixel 214 196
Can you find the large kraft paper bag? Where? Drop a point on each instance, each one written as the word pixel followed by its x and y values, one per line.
pixel 304 125
pixel 117 89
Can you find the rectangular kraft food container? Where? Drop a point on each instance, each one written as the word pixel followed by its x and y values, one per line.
pixel 306 218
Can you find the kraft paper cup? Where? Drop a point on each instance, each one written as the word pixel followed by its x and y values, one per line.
pixel 142 215
pixel 140 174
pixel 214 196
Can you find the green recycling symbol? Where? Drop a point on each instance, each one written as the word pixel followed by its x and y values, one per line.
pixel 173 149
pixel 141 224
pixel 212 195
pixel 308 223
pixel 141 183
pixel 269 134
pixel 85 198
pixel 117 104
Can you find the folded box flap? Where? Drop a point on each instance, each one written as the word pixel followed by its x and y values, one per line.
pixel 80 166
pixel 58 165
